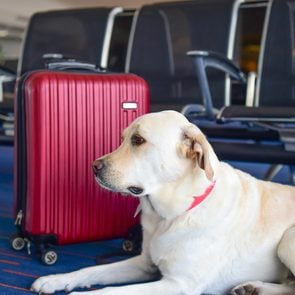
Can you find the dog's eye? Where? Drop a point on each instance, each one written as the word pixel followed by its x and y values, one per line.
pixel 137 140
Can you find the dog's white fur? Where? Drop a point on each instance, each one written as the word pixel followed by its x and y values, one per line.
pixel 242 235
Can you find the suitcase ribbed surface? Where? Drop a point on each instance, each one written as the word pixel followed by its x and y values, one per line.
pixel 72 119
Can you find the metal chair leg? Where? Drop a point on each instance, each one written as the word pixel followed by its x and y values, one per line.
pixel 272 171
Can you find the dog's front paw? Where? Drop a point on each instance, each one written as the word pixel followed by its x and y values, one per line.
pixel 246 289
pixel 53 283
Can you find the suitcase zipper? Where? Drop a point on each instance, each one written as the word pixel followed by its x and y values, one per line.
pixel 18 221
pixel 21 153
pixel 19 217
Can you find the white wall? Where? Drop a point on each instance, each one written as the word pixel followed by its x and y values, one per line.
pixel 9 49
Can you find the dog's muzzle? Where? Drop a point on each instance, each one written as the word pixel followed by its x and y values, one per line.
pixel 99 170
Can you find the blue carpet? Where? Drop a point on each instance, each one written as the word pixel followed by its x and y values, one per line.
pixel 18 270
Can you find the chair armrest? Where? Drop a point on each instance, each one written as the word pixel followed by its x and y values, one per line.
pixel 204 59
pixel 6 118
pixel 220 62
pixel 257 114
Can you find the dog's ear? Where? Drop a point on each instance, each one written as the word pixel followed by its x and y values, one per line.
pixel 195 146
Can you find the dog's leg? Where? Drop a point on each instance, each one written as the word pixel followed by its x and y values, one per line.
pixel 260 288
pixel 161 287
pixel 138 268
pixel 286 249
pixel 286 252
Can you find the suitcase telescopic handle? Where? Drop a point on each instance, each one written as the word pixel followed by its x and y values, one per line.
pixel 73 66
pixel 58 62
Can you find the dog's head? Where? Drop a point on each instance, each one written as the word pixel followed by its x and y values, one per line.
pixel 157 149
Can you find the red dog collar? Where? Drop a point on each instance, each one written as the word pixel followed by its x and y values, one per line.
pixel 199 199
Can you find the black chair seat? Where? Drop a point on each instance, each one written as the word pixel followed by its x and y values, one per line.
pixel 237 130
pixel 253 152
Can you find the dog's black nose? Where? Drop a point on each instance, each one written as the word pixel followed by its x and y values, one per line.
pixel 97 166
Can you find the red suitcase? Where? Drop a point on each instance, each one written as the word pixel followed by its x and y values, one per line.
pixel 65 120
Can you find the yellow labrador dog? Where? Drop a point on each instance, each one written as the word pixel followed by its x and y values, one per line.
pixel 207 227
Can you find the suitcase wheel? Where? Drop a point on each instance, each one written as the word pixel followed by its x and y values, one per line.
pixel 49 257
pixel 128 246
pixel 17 242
